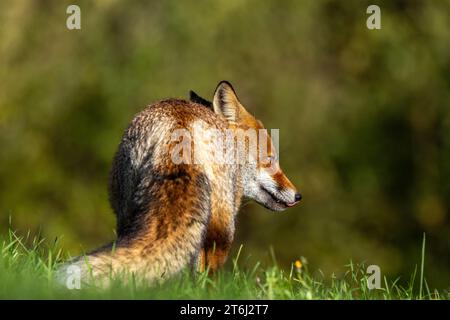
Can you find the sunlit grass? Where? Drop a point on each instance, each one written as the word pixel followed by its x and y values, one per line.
pixel 27 271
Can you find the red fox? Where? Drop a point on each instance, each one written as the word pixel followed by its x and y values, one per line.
pixel 172 214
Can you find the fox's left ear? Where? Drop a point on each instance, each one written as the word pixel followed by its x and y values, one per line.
pixel 197 99
pixel 226 102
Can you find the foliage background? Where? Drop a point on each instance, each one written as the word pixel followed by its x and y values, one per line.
pixel 364 117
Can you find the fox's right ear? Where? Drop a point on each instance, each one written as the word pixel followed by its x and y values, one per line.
pixel 226 102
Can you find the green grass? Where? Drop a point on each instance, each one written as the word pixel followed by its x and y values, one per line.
pixel 27 271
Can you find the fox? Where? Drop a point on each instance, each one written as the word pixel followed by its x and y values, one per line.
pixel 172 215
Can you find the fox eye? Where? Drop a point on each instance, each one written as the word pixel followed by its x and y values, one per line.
pixel 270 159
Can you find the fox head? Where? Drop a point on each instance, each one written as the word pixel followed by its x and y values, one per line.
pixel 263 179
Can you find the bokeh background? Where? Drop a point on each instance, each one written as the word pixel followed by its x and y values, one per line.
pixel 364 117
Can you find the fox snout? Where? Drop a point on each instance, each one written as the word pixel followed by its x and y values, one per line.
pixel 287 189
pixel 297 198
pixel 276 192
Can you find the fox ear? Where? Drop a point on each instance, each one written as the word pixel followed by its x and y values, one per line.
pixel 226 102
pixel 197 99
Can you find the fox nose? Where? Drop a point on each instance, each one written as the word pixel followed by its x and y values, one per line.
pixel 298 196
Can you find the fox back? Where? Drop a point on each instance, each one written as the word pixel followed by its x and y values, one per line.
pixel 175 200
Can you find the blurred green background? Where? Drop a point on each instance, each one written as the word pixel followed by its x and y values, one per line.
pixel 364 117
